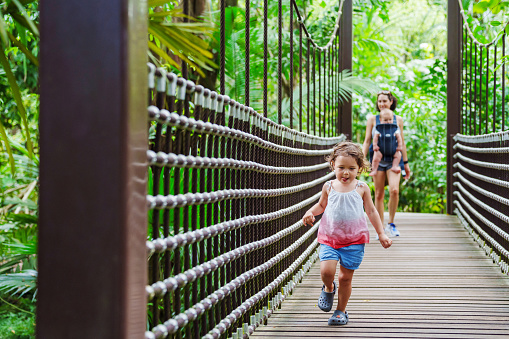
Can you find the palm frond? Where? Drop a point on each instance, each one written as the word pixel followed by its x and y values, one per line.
pixel 19 284
pixel 5 138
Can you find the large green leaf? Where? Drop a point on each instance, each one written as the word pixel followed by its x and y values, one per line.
pixel 5 139
pixel 17 97
pixel 19 283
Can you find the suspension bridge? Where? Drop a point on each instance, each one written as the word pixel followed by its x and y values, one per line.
pixel 170 210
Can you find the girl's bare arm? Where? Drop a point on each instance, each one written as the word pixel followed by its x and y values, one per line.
pixel 318 208
pixel 374 217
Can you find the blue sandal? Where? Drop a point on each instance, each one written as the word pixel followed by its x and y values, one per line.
pixel 338 318
pixel 326 299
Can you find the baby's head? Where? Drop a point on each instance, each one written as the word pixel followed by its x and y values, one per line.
pixel 386 116
pixel 348 149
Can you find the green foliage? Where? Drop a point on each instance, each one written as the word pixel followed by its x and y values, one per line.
pixel 17 321
pixel 402 48
pixel 188 41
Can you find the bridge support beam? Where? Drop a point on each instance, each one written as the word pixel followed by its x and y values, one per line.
pixel 346 47
pixel 454 104
pixel 92 257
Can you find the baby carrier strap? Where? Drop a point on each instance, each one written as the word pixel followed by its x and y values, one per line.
pixel 330 185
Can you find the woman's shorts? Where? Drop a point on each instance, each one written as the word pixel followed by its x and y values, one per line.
pixel 386 165
pixel 349 257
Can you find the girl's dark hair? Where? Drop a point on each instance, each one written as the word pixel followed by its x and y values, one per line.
pixel 390 96
pixel 350 149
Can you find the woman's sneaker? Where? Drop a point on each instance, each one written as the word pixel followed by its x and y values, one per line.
pixel 391 230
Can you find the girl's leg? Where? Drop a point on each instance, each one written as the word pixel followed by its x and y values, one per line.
pixel 345 287
pixel 379 181
pixel 328 273
pixel 393 179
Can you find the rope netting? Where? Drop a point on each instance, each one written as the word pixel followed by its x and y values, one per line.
pixel 228 186
pixel 481 149
pixel 481 191
pixel 227 189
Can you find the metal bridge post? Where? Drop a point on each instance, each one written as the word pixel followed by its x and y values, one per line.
pixel 93 128
pixel 346 46
pixel 454 38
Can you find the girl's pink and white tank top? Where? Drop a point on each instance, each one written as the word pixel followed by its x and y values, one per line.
pixel 343 222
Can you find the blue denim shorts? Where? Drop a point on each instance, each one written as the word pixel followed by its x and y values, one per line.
pixel 349 257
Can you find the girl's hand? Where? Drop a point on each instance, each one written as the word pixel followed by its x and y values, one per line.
pixel 308 219
pixel 384 240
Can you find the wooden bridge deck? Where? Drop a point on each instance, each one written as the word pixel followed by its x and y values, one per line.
pixel 434 282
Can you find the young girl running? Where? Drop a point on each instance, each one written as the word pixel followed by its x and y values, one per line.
pixel 343 230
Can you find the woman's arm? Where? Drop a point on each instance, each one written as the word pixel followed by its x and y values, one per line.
pixel 318 208
pixel 403 147
pixel 367 138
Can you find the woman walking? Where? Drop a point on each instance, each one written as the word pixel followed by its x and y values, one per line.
pixel 384 175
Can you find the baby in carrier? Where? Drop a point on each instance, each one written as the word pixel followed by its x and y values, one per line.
pixel 387 142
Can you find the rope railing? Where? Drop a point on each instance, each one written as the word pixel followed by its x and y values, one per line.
pixel 227 189
pixel 481 197
pixel 480 167
pixel 228 186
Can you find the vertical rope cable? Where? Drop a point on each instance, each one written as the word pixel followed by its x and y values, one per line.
pixel 320 92
pixel 503 83
pixel 474 119
pixel 247 38
pixel 487 89
pixel 463 82
pixel 314 91
pixel 280 62
pixel 325 93
pixel 308 87
pixel 222 48
pixel 338 79
pixel 480 91
pixel 494 90
pixel 300 77
pixel 265 54
pixel 470 94
pixel 291 65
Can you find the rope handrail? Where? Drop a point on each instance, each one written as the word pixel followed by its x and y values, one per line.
pixel 482 150
pixel 483 138
pixel 174 324
pixel 228 186
pixel 162 159
pixel 502 167
pixel 248 304
pixel 190 124
pixel 490 180
pixel 487 208
pixel 194 199
pixel 170 243
pixel 464 215
pixel 471 34
pixel 174 86
pixel 159 288
pixel 484 192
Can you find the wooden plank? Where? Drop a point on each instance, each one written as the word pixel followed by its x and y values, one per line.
pixel 434 282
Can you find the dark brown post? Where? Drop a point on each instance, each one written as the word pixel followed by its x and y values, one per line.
pixel 93 128
pixel 454 38
pixel 346 41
